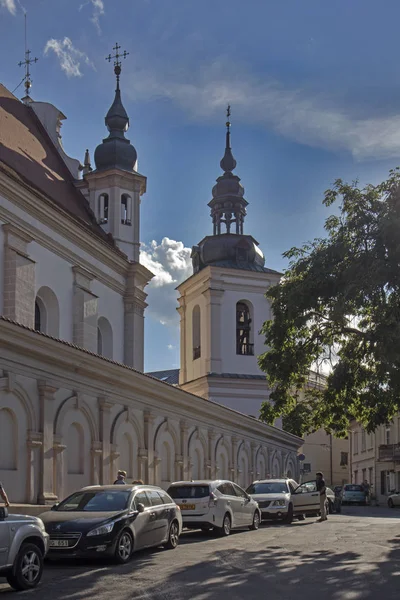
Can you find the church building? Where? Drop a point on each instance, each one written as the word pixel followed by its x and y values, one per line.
pixel 75 405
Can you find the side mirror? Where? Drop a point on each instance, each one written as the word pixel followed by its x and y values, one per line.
pixel 3 513
pixel 140 507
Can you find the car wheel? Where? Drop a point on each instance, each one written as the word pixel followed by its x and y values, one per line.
pixel 28 568
pixel 390 503
pixel 225 530
pixel 301 517
pixel 289 517
pixel 173 536
pixel 124 547
pixel 256 521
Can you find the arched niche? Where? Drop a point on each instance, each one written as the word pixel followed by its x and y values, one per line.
pixel 47 312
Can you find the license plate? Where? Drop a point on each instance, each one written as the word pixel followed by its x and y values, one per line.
pixel 59 543
pixel 187 506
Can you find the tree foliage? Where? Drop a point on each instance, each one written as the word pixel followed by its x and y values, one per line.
pixel 338 306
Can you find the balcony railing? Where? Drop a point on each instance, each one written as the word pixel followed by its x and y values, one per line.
pixel 245 349
pixel 389 452
pixel 196 352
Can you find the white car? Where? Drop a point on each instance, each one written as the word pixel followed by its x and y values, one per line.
pixel 215 505
pixel 394 500
pixel 285 499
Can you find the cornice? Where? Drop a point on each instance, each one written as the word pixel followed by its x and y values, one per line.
pixel 26 351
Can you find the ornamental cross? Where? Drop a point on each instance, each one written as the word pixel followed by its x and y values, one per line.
pixel 117 55
pixel 26 63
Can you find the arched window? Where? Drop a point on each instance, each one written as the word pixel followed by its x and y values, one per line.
pixel 104 338
pixel 47 312
pixel 103 208
pixel 126 209
pixel 38 317
pixel 196 332
pixel 243 330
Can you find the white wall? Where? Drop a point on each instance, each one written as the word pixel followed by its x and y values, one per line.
pixel 111 306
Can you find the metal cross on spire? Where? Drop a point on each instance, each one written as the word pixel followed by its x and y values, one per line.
pixel 27 63
pixel 228 126
pixel 116 58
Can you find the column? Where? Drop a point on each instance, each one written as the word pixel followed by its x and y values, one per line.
pixel 234 464
pixel 183 344
pixel 136 221
pixel 253 466
pixel 211 453
pixel 105 432
pixel 96 454
pixel 148 418
pixel 213 338
pixel 59 449
pixel 46 484
pixel 33 445
pixel 142 464
pixel 84 310
pixel 18 277
pixel 184 449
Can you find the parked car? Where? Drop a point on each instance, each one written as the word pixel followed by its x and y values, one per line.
pixel 274 498
pixel 23 543
pixel 353 494
pixel 285 499
pixel 112 521
pixel 215 505
pixel 394 500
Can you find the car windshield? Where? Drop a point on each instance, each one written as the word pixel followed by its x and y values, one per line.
pixel 274 487
pixel 189 491
pixel 353 488
pixel 96 501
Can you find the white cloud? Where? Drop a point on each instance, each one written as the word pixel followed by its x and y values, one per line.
pixel 70 58
pixel 98 11
pixel 171 264
pixel 171 347
pixel 10 5
pixel 303 115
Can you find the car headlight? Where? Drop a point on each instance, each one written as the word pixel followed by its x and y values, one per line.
pixel 103 530
pixel 278 503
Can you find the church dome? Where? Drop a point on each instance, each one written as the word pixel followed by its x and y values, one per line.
pixel 116 152
pixel 228 250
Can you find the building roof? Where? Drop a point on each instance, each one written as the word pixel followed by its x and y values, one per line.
pixel 30 156
pixel 170 376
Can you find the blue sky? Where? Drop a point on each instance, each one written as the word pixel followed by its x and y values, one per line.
pixel 315 93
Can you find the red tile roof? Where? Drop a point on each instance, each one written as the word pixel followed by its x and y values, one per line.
pixel 28 151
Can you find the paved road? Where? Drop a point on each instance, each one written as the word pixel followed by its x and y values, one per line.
pixel 355 555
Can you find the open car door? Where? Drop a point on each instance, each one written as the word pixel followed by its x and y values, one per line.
pixel 305 498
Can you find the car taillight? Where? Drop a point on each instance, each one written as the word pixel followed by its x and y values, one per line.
pixel 213 500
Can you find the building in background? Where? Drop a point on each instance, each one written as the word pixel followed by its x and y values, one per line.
pixel 375 457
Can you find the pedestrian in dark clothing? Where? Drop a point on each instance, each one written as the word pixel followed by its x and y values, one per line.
pixel 321 487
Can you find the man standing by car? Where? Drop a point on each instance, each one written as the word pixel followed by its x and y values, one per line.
pixel 367 491
pixel 4 495
pixel 321 487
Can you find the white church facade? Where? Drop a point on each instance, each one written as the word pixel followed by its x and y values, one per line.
pixel 75 404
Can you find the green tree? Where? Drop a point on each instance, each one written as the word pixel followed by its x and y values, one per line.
pixel 338 305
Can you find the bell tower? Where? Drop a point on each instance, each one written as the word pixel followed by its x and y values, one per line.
pixel 223 305
pixel 115 186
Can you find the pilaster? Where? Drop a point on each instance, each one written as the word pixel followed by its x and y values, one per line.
pixel 148 419
pixel 19 277
pixel 84 310
pixel 105 432
pixel 46 401
pixel 214 363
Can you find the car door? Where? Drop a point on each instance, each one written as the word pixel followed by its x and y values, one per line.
pixel 306 498
pixel 160 516
pixel 144 524
pixel 233 502
pixel 4 542
pixel 247 507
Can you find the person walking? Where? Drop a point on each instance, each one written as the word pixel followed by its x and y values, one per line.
pixel 367 491
pixel 321 488
pixel 121 476
pixel 4 495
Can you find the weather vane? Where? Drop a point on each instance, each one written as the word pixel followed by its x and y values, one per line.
pixel 116 59
pixel 27 63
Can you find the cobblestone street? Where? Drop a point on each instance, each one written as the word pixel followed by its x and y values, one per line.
pixel 353 556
